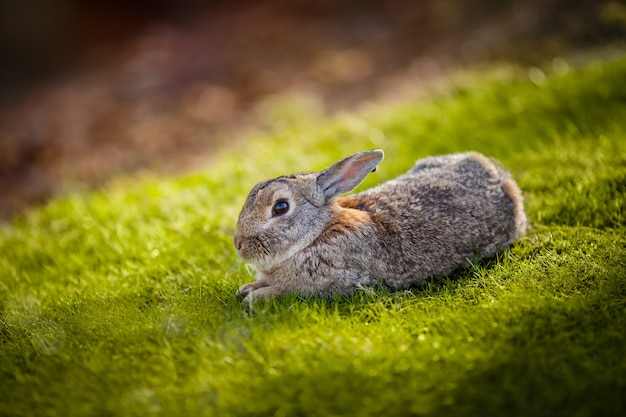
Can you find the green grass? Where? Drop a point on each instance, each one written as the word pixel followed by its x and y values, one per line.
pixel 122 301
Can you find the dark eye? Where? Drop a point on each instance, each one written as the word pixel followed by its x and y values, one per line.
pixel 280 207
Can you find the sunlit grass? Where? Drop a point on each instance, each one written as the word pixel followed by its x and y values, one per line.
pixel 122 301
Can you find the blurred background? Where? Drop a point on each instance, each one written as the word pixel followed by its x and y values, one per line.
pixel 92 89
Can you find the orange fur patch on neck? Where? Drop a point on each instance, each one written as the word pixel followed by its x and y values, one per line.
pixel 348 219
pixel 351 210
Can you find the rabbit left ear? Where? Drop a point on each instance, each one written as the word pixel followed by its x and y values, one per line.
pixel 348 173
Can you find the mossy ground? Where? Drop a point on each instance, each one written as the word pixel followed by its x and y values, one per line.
pixel 122 301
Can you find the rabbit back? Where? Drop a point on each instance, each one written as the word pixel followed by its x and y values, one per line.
pixel 443 213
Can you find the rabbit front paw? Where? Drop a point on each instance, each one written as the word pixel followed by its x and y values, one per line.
pixel 263 293
pixel 248 288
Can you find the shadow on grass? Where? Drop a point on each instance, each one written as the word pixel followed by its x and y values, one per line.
pixel 564 359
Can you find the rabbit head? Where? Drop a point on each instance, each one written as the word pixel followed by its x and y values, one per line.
pixel 284 215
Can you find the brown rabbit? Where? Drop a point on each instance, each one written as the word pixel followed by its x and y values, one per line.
pixel 444 212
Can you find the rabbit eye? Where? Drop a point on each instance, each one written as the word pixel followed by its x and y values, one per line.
pixel 280 207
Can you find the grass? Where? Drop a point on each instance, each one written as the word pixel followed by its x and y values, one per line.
pixel 122 301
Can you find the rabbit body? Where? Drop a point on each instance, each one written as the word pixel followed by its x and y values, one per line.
pixel 440 215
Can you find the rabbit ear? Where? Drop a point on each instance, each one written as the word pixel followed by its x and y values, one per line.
pixel 348 173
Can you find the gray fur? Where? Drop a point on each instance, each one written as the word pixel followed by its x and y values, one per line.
pixel 441 214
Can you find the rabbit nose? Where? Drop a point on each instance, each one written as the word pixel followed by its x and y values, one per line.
pixel 238 242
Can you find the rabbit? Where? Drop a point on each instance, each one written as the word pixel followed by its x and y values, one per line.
pixel 442 214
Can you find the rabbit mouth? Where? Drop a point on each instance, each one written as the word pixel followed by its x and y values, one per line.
pixel 261 259
pixel 264 254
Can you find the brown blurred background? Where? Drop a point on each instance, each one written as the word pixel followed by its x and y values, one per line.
pixel 90 89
